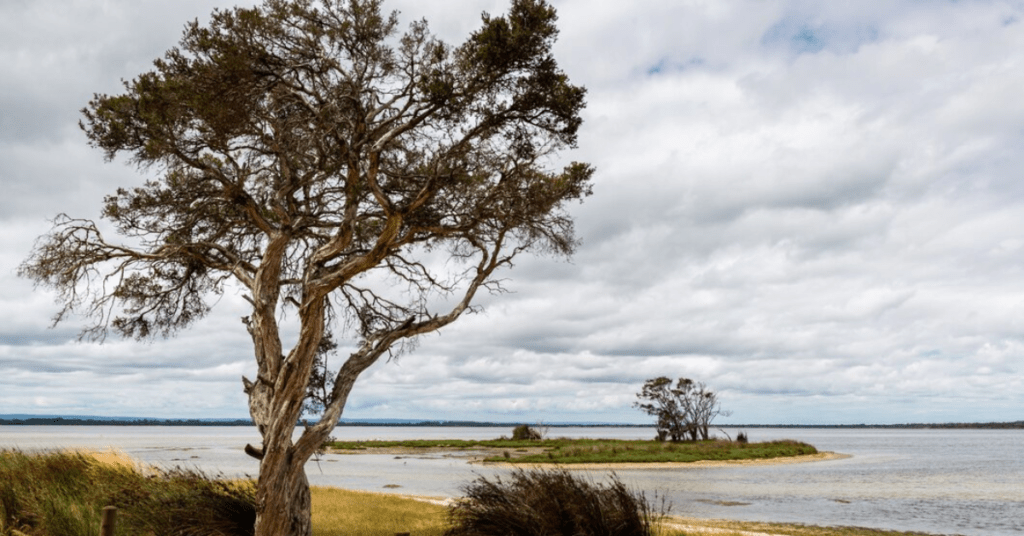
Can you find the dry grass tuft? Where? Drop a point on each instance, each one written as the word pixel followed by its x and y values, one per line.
pixel 115 458
pixel 338 512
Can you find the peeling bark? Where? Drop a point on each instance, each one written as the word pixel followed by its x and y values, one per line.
pixel 283 504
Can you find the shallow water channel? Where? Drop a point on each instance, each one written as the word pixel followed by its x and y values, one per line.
pixel 967 482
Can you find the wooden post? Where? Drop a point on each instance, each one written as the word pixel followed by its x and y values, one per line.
pixel 108 521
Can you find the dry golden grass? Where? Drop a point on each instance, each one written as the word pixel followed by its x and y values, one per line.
pixel 361 513
pixel 113 458
pixel 338 512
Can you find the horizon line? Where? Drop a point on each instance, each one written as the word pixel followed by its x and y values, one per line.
pixel 485 423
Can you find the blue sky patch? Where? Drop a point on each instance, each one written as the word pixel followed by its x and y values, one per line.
pixel 802 37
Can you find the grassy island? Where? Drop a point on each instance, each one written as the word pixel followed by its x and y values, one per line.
pixel 590 451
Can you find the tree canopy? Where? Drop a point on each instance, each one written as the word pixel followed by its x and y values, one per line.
pixel 310 155
pixel 683 411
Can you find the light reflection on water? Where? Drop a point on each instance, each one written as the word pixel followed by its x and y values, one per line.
pixel 941 481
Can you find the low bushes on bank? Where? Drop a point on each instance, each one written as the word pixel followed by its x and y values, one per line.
pixel 550 503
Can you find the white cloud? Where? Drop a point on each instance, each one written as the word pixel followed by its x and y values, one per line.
pixel 813 207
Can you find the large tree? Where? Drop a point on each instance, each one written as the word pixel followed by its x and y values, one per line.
pixel 684 410
pixel 332 169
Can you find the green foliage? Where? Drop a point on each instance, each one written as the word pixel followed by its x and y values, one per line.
pixel 550 503
pixel 62 494
pixel 311 155
pixel 312 120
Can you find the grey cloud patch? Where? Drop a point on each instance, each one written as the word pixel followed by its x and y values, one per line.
pixel 813 207
pixel 37 337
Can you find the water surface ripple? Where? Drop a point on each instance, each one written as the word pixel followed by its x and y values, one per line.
pixel 940 481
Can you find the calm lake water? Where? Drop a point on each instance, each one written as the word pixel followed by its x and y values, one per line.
pixel 968 482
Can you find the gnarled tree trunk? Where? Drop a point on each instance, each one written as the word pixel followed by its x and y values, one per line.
pixel 275 404
pixel 282 494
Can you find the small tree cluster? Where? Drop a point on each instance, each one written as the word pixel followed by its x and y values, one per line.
pixel 525 432
pixel 684 411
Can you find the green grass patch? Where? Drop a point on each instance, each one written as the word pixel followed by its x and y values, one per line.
pixel 657 452
pixel 582 451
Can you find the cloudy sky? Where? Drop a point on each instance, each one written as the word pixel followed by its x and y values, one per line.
pixel 817 208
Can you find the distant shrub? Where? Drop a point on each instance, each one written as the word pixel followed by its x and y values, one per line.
pixel 524 432
pixel 741 438
pixel 550 503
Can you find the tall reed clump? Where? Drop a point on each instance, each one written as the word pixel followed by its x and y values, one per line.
pixel 550 503
pixel 63 493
